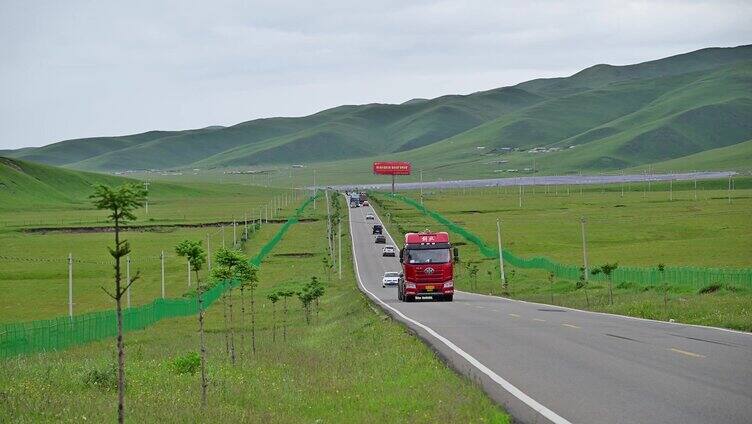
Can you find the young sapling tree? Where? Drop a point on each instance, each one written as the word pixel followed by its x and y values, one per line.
pixel 196 255
pixel 274 298
pixel 607 270
pixel 285 294
pixel 121 202
pixel 551 285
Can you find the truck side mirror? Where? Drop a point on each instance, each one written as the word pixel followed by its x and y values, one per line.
pixel 456 255
pixel 401 252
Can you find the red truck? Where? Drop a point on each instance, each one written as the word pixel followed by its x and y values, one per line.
pixel 427 267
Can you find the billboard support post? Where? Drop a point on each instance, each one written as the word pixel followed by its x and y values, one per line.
pixel 393 169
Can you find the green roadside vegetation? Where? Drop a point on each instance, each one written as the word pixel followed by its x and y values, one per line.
pixel 642 228
pixel 351 364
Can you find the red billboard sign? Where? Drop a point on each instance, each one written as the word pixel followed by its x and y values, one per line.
pixel 392 168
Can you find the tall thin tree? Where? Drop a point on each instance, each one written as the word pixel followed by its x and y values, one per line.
pixel 274 298
pixel 121 202
pixel 233 266
pixel 196 255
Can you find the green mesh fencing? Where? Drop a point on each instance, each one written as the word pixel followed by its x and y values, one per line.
pixel 696 276
pixel 60 333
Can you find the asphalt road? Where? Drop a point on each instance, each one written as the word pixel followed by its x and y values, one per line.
pixel 540 180
pixel 551 364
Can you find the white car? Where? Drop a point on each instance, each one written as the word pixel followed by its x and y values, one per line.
pixel 391 278
pixel 388 251
pixel 370 217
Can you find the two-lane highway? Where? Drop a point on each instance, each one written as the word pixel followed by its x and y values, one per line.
pixel 562 365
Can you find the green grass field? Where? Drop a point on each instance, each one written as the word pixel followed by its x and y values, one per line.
pixel 351 365
pixel 640 229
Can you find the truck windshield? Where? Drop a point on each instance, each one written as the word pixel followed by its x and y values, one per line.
pixel 427 256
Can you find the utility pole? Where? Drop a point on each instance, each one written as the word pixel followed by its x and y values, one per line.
pixel 501 255
pixel 161 261
pixel 671 190
pixel 314 189
pixel 208 253
pixel 339 259
pixel 329 229
pixel 266 214
pixel 245 224
pixel 70 285
pixel 584 247
pixel 520 187
pixel 421 187
pixel 234 234
pixel 189 273
pixel 223 236
pixel 146 203
pixel 729 189
pixel 695 178
pixel 128 279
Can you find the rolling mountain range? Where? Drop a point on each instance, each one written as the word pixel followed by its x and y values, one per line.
pixel 602 118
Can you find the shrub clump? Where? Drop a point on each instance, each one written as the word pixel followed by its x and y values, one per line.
pixel 103 377
pixel 186 364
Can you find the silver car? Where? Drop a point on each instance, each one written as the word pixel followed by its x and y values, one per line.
pixel 391 278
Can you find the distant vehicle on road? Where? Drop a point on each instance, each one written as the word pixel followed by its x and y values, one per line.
pixel 391 278
pixel 365 203
pixel 380 239
pixel 370 217
pixel 388 251
pixel 427 265
pixel 354 200
pixel 378 229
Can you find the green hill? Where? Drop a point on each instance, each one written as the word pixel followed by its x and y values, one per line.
pixel 27 185
pixel 737 157
pixel 602 118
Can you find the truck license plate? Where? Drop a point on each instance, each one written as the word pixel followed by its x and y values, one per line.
pixel 429 288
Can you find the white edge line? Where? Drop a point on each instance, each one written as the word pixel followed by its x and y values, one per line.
pixel 509 387
pixel 681 324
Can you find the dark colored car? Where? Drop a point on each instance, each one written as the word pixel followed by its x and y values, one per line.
pixel 380 239
pixel 378 229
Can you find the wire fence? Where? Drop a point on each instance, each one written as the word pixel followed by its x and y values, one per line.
pixel 60 333
pixel 697 276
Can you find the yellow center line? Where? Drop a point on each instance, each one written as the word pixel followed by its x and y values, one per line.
pixel 539 320
pixel 570 326
pixel 684 352
pixel 514 315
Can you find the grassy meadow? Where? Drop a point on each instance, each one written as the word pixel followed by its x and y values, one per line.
pixel 351 364
pixel 642 228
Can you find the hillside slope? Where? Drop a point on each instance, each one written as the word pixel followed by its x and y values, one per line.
pixel 27 184
pixel 31 186
pixel 616 116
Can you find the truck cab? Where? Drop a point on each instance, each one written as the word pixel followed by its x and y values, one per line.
pixel 427 267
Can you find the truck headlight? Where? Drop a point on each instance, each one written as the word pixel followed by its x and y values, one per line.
pixel 449 284
pixel 410 285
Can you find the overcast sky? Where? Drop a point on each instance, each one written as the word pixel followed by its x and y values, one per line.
pixel 72 69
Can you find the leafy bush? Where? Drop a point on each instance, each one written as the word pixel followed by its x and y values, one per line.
pixel 186 364
pixel 103 377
